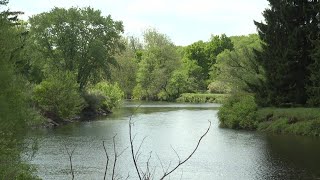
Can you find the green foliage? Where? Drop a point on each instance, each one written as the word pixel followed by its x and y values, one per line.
pixel 202 98
pixel 219 87
pixel 251 41
pixel 104 96
pixel 201 56
pixel 178 84
pixel 77 40
pixel 58 96
pixel 313 89
pixel 239 112
pixel 299 121
pixel 300 113
pixel 287 34
pixel 159 60
pixel 16 114
pixel 125 73
pixel 239 69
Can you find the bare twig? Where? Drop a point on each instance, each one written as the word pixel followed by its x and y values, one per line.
pixel 116 155
pixel 140 145
pixel 195 149
pixel 131 145
pixel 105 150
pixel 127 176
pixel 176 153
pixel 161 164
pixel 70 154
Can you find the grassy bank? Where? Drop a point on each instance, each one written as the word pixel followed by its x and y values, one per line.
pixel 240 111
pixel 298 121
pixel 202 98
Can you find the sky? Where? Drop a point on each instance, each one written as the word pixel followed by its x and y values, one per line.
pixel 183 21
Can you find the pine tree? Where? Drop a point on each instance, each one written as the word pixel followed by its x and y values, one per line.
pixel 289 29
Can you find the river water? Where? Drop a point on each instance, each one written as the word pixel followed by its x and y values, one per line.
pixel 170 127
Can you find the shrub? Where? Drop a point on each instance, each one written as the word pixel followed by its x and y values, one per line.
pixel 58 96
pixel 104 96
pixel 239 112
pixel 219 87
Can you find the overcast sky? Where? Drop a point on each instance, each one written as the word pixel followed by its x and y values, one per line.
pixel 184 21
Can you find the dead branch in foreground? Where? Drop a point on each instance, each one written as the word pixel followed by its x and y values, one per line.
pixel 116 156
pixel 70 154
pixel 147 175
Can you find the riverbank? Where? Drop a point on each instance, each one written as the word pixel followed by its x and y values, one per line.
pixel 297 121
pixel 240 111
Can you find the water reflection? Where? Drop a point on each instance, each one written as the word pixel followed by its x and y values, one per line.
pixel 298 157
pixel 224 153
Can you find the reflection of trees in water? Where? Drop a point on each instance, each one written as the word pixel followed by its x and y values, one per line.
pixel 295 157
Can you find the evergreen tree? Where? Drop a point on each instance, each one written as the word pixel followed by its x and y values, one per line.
pixel 288 31
pixel 16 115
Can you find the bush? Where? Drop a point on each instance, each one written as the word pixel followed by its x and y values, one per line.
pixel 58 96
pixel 239 112
pixel 219 87
pixel 104 96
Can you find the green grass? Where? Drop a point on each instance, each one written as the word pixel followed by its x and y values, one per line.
pixel 202 98
pixel 298 121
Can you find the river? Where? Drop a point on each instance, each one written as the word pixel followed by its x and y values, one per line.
pixel 170 127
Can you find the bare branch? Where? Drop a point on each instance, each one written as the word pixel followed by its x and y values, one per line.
pixel 115 156
pixel 105 150
pixel 176 153
pixel 132 150
pixel 127 176
pixel 70 154
pixel 140 145
pixel 161 164
pixel 195 149
pixel 168 167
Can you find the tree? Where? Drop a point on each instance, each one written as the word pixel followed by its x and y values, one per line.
pixel 239 68
pixel 287 34
pixel 125 73
pixel 158 62
pixel 203 55
pixel 77 40
pixel 16 114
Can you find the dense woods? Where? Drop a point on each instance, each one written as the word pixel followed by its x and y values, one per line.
pixel 69 63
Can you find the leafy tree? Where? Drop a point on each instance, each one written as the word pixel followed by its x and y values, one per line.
pixel 125 73
pixel 179 82
pixel 16 114
pixel 77 40
pixel 249 41
pixel 203 55
pixel 240 69
pixel 158 62
pixel 287 34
